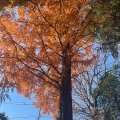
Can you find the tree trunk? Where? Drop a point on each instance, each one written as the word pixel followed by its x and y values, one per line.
pixel 96 110
pixel 66 96
pixel 66 99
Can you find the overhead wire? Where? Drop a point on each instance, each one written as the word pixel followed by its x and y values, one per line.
pixel 25 104
pixel 19 117
pixel 17 103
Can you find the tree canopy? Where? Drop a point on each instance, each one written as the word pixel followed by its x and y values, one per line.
pixel 107 24
pixel 43 48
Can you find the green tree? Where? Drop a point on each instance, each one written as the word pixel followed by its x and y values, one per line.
pixel 109 97
pixel 5 87
pixel 107 24
pixel 3 117
pixel 4 94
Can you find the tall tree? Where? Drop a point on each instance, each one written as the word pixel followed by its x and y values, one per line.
pixel 43 48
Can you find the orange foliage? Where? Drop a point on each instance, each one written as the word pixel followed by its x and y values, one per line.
pixel 33 41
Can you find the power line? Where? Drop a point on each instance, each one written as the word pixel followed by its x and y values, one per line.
pixel 24 104
pixel 17 103
pixel 23 117
pixel 19 117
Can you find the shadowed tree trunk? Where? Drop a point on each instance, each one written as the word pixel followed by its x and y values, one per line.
pixel 66 96
pixel 66 85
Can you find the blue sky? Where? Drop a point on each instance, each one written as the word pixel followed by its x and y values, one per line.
pixel 21 108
